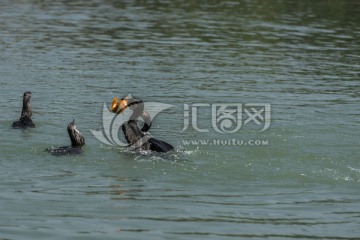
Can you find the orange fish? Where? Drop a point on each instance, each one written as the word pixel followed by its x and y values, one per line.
pixel 118 106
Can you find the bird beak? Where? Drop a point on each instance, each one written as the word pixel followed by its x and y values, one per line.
pixel 72 125
pixel 118 106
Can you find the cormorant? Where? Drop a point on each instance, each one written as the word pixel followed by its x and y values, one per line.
pixel 138 138
pixel 77 141
pixel 26 113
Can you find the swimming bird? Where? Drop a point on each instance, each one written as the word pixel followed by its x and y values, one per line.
pixel 26 114
pixel 138 138
pixel 77 141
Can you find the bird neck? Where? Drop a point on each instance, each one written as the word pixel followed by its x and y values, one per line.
pixel 26 110
pixel 138 111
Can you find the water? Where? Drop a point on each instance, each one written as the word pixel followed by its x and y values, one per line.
pixel 301 57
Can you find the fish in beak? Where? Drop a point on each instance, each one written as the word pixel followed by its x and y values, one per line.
pixel 118 106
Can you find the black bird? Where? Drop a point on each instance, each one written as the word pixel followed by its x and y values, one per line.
pixel 26 114
pixel 138 138
pixel 77 141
